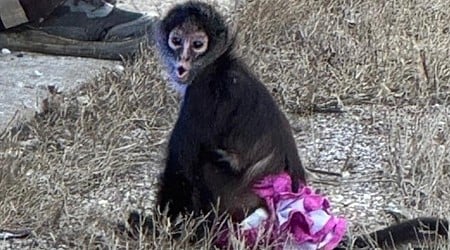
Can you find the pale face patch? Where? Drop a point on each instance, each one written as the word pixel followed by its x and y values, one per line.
pixel 188 41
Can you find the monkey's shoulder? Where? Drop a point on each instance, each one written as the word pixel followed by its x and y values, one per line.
pixel 235 75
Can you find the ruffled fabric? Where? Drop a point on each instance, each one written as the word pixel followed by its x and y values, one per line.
pixel 294 220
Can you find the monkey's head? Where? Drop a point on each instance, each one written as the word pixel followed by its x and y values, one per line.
pixel 190 37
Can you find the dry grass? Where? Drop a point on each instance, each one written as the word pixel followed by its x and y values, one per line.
pixel 72 172
pixel 351 52
pixel 59 169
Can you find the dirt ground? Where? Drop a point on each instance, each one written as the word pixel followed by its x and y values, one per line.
pixel 71 174
pixel 24 78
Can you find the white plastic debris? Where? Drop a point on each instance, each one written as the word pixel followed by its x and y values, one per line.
pixel 255 219
pixel 6 51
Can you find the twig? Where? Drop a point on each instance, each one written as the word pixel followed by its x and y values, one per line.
pixel 327 109
pixel 6 234
pixel 319 171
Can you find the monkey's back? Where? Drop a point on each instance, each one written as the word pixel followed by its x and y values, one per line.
pixel 242 117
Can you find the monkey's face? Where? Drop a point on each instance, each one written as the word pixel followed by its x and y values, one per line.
pixel 188 43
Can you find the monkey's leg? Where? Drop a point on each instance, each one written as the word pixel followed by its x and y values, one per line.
pixel 174 197
pixel 413 230
pixel 175 194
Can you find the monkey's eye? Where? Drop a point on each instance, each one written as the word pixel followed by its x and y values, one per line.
pixel 176 41
pixel 197 44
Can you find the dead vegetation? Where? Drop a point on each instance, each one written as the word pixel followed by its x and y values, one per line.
pixel 351 52
pixel 91 156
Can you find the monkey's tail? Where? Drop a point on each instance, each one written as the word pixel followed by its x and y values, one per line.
pixel 414 230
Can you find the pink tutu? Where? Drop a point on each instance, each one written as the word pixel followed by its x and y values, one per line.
pixel 295 220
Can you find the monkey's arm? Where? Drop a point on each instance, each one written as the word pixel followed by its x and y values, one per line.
pixel 181 174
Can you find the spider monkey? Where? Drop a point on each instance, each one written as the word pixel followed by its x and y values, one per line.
pixel 230 131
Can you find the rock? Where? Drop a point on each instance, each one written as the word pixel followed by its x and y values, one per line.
pixel 20 84
pixel 103 203
pixel 84 100
pixel 119 69
pixel 37 73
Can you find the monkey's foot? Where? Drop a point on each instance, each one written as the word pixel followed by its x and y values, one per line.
pixel 137 224
pixel 104 32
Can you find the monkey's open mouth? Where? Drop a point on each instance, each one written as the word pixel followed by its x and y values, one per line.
pixel 182 73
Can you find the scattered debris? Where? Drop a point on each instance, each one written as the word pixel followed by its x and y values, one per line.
pixel 37 73
pixel 6 51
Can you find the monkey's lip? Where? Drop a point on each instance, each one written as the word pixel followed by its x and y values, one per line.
pixel 182 73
